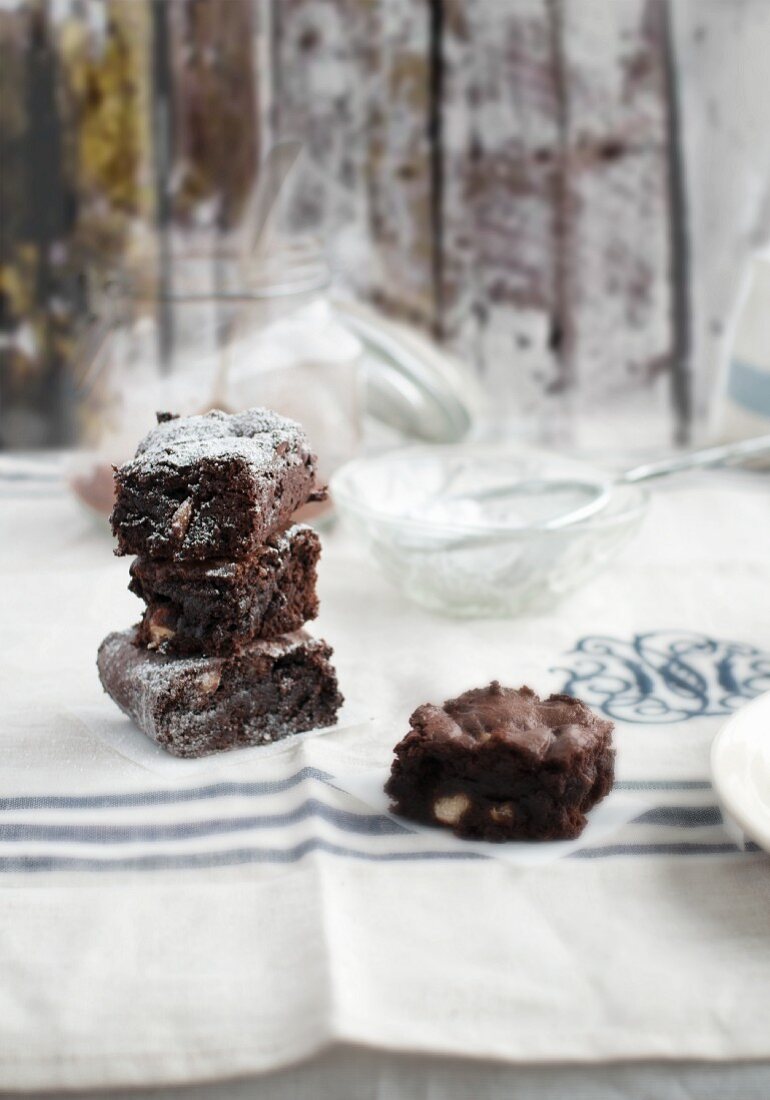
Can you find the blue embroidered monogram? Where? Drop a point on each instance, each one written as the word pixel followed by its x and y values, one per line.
pixel 665 675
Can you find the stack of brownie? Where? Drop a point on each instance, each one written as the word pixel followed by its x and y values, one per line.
pixel 220 659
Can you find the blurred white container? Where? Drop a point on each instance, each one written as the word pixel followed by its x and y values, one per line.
pixel 222 337
pixel 743 400
pixel 219 337
pixel 303 365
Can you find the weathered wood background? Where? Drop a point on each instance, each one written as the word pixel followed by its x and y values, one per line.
pixel 562 191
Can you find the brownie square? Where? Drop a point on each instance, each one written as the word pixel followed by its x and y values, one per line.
pixel 218 607
pixel 213 486
pixel 501 764
pixel 194 706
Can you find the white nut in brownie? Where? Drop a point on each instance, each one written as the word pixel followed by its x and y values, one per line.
pixel 209 680
pixel 158 634
pixel 159 626
pixel 502 813
pixel 180 520
pixel 450 809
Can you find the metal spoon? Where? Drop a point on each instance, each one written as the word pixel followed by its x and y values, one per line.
pixel 590 497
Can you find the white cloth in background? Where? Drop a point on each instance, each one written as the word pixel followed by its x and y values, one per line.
pixel 157 930
pixel 346 1073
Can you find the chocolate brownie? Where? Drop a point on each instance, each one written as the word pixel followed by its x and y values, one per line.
pixel 218 607
pixel 213 486
pixel 194 706
pixel 501 764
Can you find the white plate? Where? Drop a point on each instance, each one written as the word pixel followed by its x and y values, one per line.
pixel 740 768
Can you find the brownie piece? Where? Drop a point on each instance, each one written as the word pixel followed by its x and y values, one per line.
pixel 500 764
pixel 218 607
pixel 212 486
pixel 194 706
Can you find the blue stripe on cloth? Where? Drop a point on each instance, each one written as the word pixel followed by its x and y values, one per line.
pixel 663 785
pixel 372 824
pixel 130 799
pixel 28 492
pixel 230 858
pixel 16 476
pixel 749 386
pixel 682 848
pixel 354 823
pixel 239 856
pixel 160 797
pixel 363 824
pixel 682 817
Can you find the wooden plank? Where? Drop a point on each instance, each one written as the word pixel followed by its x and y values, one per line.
pixel 501 151
pixel 617 247
pixel 352 83
pixel 321 54
pixel 214 113
pixel 102 52
pixel 617 290
pixel 22 412
pixel 498 172
pixel 38 215
pixel 614 72
pixel 555 208
pixel 399 166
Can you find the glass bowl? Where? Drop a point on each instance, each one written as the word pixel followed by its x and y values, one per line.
pixel 444 526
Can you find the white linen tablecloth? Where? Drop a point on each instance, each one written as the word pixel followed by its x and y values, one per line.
pixel 159 929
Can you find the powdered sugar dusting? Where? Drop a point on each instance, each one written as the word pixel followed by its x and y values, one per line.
pixel 154 672
pixel 213 486
pixel 259 437
pixel 176 701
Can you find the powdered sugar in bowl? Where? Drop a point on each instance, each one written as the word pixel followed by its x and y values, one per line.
pixel 448 526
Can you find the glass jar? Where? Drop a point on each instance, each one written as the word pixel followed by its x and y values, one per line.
pixel 216 333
